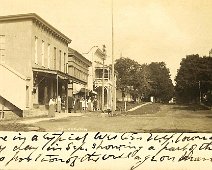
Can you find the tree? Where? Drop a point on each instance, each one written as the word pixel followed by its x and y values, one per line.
pixel 126 69
pixel 161 83
pixel 142 81
pixel 194 78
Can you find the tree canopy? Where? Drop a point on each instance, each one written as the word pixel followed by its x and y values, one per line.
pixel 194 78
pixel 143 81
pixel 162 87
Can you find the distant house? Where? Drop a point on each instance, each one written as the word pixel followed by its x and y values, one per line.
pixel 33 65
pixel 120 96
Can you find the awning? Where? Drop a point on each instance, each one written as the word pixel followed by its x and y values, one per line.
pixel 87 92
pixel 60 74
pixel 84 90
pixel 93 92
pixel 52 72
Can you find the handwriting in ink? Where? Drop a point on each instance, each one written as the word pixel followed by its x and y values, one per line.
pixel 53 140
pixel 73 149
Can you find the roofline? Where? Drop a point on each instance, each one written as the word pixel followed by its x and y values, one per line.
pixel 99 51
pixel 77 53
pixel 36 17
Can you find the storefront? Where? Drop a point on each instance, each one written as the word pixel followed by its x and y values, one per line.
pixel 49 84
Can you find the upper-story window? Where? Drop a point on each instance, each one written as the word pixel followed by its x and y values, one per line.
pixel 48 55
pixel 60 60
pixel 42 53
pixel 55 55
pixel 64 63
pixel 2 48
pixel 36 50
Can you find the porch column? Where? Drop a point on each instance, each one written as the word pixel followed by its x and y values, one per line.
pixel 57 90
pixel 51 88
pixel 107 97
pixel 66 97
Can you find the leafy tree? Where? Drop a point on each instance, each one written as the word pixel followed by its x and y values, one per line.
pixel 141 84
pixel 144 80
pixel 161 83
pixel 194 78
pixel 126 69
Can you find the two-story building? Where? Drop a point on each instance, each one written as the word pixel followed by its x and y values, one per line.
pixel 78 68
pixel 102 86
pixel 33 64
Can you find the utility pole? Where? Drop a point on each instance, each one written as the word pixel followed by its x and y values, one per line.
pixel 103 78
pixel 200 95
pixel 113 75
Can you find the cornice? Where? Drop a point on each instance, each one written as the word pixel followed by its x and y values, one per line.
pixel 38 21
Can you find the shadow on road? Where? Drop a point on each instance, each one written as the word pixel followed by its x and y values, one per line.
pixel 190 107
pixel 167 131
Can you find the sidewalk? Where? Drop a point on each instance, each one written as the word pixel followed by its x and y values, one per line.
pixel 139 106
pixel 57 116
pixel 65 115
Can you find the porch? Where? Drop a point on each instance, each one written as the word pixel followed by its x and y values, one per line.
pixel 49 84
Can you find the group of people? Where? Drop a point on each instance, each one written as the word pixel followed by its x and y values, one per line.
pixel 74 104
pixel 55 105
pixel 82 103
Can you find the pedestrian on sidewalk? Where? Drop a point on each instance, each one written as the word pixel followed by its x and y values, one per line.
pixel 51 112
pixel 59 104
pixel 95 104
pixel 70 104
pixel 90 104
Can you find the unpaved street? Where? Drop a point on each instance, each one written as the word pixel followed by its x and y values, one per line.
pixel 169 118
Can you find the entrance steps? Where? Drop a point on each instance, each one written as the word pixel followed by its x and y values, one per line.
pixel 38 110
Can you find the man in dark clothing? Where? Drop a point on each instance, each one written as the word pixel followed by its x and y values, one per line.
pixel 70 103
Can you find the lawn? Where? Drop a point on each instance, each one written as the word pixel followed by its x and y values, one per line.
pixel 130 105
pixel 147 109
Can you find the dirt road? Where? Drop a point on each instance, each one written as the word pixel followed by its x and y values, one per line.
pixel 169 118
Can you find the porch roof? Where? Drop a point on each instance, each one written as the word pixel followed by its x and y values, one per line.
pixel 61 74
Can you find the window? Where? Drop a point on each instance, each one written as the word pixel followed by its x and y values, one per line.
pixel 42 53
pixel 64 63
pixel 55 55
pixel 49 56
pixel 36 50
pixel 2 48
pixel 60 60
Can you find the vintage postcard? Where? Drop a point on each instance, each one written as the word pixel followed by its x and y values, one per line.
pixel 105 84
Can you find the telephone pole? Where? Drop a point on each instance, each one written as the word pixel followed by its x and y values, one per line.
pixel 200 95
pixel 113 71
pixel 103 78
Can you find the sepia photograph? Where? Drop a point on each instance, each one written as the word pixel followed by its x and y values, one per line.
pixel 140 66
pixel 105 84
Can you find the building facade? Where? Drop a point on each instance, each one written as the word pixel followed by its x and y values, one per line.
pixel 102 85
pixel 78 68
pixel 34 63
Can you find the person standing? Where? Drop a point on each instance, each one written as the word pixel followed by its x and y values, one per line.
pixel 90 104
pixel 59 104
pixel 51 108
pixel 74 104
pixel 70 104
pixel 95 104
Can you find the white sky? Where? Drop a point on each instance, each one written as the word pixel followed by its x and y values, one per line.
pixel 144 30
